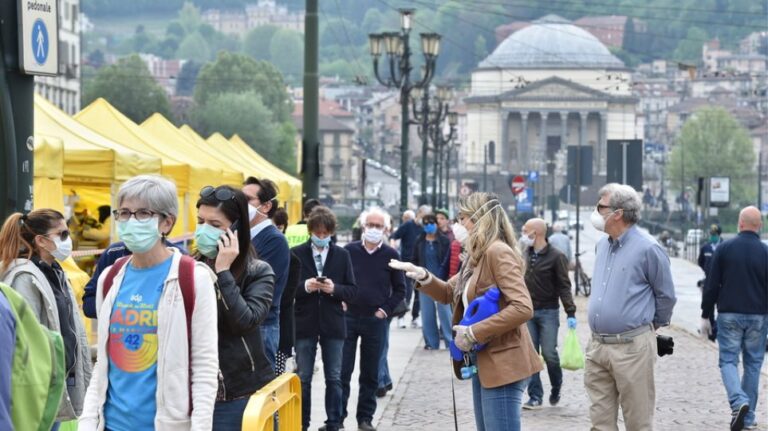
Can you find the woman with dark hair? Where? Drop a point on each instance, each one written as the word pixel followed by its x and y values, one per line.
pixel 245 286
pixel 29 247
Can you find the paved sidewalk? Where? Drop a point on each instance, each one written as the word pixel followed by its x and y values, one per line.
pixel 689 392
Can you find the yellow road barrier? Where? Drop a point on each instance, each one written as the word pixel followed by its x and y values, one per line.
pixel 283 396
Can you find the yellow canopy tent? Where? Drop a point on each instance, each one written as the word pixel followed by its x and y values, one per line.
pixel 293 202
pixel 249 163
pixel 165 131
pixel 48 173
pixel 189 174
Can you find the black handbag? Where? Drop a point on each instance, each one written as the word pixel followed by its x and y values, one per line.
pixel 400 309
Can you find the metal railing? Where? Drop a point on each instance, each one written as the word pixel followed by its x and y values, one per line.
pixel 282 396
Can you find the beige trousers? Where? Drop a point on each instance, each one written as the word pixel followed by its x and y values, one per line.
pixel 621 374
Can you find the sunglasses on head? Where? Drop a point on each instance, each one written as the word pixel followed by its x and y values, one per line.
pixel 221 194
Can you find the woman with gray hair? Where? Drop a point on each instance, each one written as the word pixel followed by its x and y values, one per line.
pixel 157 362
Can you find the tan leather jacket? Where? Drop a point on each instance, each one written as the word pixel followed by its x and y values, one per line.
pixel 509 355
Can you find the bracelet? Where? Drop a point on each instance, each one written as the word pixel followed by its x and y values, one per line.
pixel 425 278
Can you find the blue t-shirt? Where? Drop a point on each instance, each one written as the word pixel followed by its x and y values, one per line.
pixel 132 349
pixel 8 341
pixel 433 264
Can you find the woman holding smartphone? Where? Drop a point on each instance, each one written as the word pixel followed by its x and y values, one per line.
pixel 326 281
pixel 244 292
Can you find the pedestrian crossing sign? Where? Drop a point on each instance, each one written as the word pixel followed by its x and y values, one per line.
pixel 39 37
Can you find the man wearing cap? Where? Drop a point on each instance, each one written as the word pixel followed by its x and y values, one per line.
pixel 705 261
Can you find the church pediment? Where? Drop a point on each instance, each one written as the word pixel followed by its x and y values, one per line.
pixel 554 89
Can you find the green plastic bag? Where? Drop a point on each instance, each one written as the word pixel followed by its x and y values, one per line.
pixel 572 357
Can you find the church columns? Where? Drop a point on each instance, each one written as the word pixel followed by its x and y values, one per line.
pixel 524 139
pixel 563 129
pixel 602 133
pixel 543 133
pixel 583 128
pixel 505 160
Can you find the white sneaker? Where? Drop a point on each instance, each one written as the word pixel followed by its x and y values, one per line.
pixel 416 323
pixel 400 322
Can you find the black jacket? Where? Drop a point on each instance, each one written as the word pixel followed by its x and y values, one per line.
pixel 319 313
pixel 242 307
pixel 287 317
pixel 738 277
pixel 547 280
pixel 420 254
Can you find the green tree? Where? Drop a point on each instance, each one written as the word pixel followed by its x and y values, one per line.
pixel 713 143
pixel 287 52
pixel 689 49
pixel 245 114
pixel 258 40
pixel 130 88
pixel 189 17
pixel 194 47
pixel 239 73
pixel 185 84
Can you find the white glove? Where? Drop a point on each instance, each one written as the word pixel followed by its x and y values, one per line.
pixel 412 271
pixel 705 328
pixel 464 338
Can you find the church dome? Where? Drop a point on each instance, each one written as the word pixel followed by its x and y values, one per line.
pixel 551 42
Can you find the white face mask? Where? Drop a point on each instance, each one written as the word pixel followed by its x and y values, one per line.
pixel 597 221
pixel 526 241
pixel 373 235
pixel 460 232
pixel 63 249
pixel 252 211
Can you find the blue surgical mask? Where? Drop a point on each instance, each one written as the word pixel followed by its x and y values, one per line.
pixel 321 242
pixel 430 228
pixel 138 236
pixel 206 239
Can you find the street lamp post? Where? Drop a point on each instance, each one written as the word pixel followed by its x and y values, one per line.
pixel 444 153
pixel 430 119
pixel 398 51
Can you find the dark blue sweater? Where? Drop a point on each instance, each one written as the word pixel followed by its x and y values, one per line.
pixel 738 277
pixel 272 247
pixel 378 285
pixel 407 233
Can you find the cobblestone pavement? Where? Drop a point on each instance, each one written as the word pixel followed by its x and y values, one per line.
pixel 689 392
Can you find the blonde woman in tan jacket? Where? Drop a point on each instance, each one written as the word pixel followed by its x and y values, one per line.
pixel 508 358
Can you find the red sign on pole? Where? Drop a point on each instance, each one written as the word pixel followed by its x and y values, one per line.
pixel 517 185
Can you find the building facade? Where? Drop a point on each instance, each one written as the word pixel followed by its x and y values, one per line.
pixel 546 87
pixel 64 90
pixel 241 21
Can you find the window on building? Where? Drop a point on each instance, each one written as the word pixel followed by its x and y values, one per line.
pixel 337 173
pixel 336 146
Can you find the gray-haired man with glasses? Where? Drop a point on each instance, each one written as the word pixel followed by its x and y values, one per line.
pixel 632 296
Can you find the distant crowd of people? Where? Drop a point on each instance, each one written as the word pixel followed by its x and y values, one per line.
pixel 185 337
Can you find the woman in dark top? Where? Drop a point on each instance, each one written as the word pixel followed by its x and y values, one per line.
pixel 245 285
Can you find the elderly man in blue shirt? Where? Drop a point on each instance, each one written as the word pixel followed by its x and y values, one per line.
pixel 632 296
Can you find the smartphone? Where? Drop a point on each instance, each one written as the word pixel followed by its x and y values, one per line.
pixel 234 226
pixel 321 279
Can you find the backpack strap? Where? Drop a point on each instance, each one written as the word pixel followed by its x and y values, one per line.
pixel 187 284
pixel 112 273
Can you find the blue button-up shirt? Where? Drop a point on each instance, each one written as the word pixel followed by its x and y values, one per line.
pixel 632 284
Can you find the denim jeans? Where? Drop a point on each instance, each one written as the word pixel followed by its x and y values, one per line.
pixel 368 329
pixel 306 349
pixel 430 312
pixel 384 378
pixel 228 415
pixel 270 336
pixel 498 409
pixel 742 334
pixel 543 328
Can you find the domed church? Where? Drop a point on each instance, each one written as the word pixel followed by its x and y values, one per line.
pixel 546 86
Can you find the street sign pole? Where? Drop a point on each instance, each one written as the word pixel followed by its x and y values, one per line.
pixel 28 45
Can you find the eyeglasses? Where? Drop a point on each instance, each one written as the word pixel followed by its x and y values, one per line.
pixel 374 226
pixel 142 215
pixel 221 194
pixel 63 235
